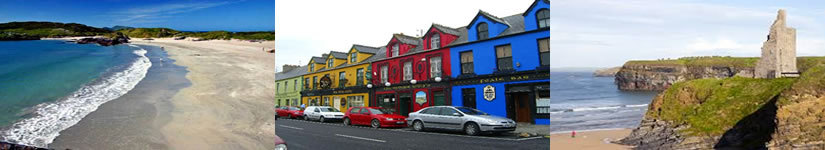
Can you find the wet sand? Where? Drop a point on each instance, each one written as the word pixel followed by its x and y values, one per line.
pixel 589 140
pixel 132 121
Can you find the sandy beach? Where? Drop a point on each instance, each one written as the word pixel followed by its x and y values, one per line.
pixel 589 140
pixel 229 103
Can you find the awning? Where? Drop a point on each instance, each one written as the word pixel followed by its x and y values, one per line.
pixel 518 89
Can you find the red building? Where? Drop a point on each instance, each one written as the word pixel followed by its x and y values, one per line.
pixel 415 72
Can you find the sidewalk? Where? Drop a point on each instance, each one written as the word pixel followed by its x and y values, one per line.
pixel 532 129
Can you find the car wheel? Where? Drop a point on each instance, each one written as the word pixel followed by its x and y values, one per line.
pixel 375 123
pixel 418 126
pixel 471 129
pixel 306 118
pixel 289 116
pixel 346 121
pixel 321 119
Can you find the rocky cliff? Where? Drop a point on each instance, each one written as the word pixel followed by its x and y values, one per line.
pixel 661 74
pixel 606 72
pixel 738 113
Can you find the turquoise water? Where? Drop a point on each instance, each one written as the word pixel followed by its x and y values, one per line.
pixel 37 72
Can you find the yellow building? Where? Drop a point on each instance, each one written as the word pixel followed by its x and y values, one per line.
pixel 339 79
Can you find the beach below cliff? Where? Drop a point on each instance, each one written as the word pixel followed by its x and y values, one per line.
pixel 589 140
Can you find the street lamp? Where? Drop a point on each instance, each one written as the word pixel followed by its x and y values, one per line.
pixel 387 84
pixel 369 85
pixel 437 79
pixel 413 81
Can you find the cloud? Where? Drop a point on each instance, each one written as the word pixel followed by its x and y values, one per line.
pixel 158 13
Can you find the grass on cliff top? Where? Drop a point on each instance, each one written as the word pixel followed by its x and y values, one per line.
pixel 812 80
pixel 701 61
pixel 711 106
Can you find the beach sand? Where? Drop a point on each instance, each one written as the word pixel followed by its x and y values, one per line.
pixel 589 140
pixel 230 102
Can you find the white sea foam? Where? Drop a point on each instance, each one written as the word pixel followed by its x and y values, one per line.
pixel 51 118
pixel 596 108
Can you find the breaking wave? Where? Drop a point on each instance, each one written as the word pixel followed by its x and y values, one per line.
pixel 51 118
pixel 556 111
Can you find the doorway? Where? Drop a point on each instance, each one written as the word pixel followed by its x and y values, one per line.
pixel 520 103
pixel 468 97
pixel 404 104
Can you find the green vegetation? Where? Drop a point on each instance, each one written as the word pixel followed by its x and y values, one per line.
pixel 811 81
pixel 49 29
pixel 701 61
pixel 20 30
pixel 711 106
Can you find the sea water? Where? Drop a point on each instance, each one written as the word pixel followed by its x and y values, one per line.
pixel 47 86
pixel 581 101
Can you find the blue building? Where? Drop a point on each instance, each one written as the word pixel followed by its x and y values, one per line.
pixel 501 65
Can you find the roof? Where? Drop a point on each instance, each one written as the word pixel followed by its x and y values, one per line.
pixel 516 26
pixel 488 16
pixel 291 73
pixel 533 5
pixel 446 29
pixel 319 60
pixel 365 49
pixel 338 55
pixel 407 39
pixel 378 54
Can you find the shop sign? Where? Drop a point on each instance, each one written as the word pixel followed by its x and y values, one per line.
pixel 420 97
pixel 496 78
pixel 489 92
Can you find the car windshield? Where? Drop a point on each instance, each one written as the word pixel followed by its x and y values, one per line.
pixel 294 108
pixel 470 111
pixel 329 110
pixel 378 111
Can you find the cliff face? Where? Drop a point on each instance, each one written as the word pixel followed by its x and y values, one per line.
pixel 737 113
pixel 659 75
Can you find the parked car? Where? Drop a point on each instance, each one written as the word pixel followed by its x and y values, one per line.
pixel 470 120
pixel 322 113
pixel 374 117
pixel 289 112
pixel 280 144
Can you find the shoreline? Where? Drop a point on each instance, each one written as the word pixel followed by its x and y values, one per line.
pixel 230 102
pixel 597 139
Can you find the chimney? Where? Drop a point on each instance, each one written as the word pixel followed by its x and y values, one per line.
pixel 287 68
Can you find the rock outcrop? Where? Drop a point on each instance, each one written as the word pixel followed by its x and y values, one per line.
pixel 661 74
pixel 16 37
pixel 606 72
pixel 119 38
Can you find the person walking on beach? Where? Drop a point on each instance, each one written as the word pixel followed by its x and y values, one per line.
pixel 573 135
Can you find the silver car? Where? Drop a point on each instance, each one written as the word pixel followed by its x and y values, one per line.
pixel 471 121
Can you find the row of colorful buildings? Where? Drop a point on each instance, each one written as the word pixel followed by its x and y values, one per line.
pixel 499 65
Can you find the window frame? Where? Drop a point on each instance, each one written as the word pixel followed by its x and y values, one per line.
pixel 330 62
pixel 471 62
pixel 384 71
pixel 315 82
pixel 541 62
pixel 498 59
pixel 486 31
pixel 430 64
pixel 395 50
pixel 404 71
pixel 540 20
pixel 359 76
pixel 353 57
pixel 435 41
pixel 341 77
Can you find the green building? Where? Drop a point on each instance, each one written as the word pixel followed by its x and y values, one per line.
pixel 288 85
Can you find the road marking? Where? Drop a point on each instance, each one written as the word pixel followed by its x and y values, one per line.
pixel 361 138
pixel 430 133
pixel 296 128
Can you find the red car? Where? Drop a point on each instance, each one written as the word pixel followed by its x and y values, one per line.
pixel 374 117
pixel 289 111
pixel 280 144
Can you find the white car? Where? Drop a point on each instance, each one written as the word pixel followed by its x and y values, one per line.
pixel 322 113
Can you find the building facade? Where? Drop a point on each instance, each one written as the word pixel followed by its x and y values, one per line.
pixel 339 79
pixel 415 74
pixel 288 84
pixel 501 66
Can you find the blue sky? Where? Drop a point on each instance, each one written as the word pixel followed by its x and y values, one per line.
pixel 599 33
pixel 187 15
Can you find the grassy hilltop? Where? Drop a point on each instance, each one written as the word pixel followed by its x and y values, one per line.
pixel 36 30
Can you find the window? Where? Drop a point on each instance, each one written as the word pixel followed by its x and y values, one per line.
pixel 314 82
pixel 359 75
pixel 329 63
pixel 395 50
pixel 353 57
pixel 311 68
pixel 326 101
pixel 544 51
pixel 342 79
pixel 435 41
pixel 384 74
pixel 467 62
pixel 543 18
pixel 482 31
pixel 435 67
pixel 286 85
pixel 504 57
pixel 306 83
pixel 408 71
pixel 447 111
pixel 469 97
pixel 355 101
pixel 543 100
pixel 295 85
pixel 432 111
pixel 277 87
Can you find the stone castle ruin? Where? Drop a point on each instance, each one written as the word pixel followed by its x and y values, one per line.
pixel 778 52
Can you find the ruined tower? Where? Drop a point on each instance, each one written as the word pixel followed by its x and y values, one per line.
pixel 778 52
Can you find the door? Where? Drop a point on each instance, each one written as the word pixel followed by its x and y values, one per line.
pixel 431 117
pixel 336 103
pixel 353 115
pixel 521 105
pixel 439 98
pixel 404 105
pixel 468 97
pixel 448 119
